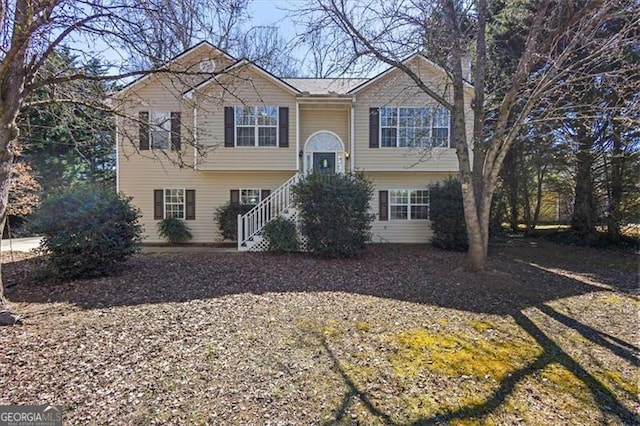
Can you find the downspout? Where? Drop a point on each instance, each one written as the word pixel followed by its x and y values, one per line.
pixel 195 135
pixel 352 139
pixel 117 140
pixel 298 170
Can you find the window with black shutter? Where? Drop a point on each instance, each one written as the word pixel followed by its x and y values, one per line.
pixel 374 127
pixel 383 201
pixel 190 204
pixel 176 124
pixel 143 124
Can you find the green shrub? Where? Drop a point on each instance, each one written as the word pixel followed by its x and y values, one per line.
pixel 334 213
pixel 86 232
pixel 446 212
pixel 174 230
pixel 227 218
pixel 282 235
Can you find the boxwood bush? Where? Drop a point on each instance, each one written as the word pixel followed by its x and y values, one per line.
pixel 334 213
pixel 282 235
pixel 86 232
pixel 226 217
pixel 174 230
pixel 446 212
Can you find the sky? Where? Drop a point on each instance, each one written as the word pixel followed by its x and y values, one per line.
pixel 262 12
pixel 272 12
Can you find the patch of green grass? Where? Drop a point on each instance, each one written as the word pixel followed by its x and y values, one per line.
pixel 565 381
pixel 363 326
pixel 617 380
pixel 482 326
pixel 455 354
pixel 331 329
pixel 618 299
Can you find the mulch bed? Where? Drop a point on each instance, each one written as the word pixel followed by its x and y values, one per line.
pixel 404 335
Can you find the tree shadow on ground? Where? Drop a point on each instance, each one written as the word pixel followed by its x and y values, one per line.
pixel 608 403
pixel 518 278
pixel 412 273
pixel 552 353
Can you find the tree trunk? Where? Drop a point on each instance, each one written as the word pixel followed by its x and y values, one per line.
pixel 8 133
pixel 471 201
pixel 13 77
pixel 615 196
pixel 479 148
pixel 585 209
pixel 536 212
pixel 511 182
pixel 526 201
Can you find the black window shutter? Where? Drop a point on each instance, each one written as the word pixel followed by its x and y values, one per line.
pixel 158 204
pixel 229 127
pixel 264 194
pixel 176 124
pixel 374 127
pixel 190 213
pixel 234 196
pixel 384 205
pixel 283 127
pixel 452 140
pixel 143 120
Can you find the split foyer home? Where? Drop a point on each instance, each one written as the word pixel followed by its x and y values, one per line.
pixel 221 130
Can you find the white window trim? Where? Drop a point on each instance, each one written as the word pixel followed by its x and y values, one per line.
pixel 250 189
pixel 152 125
pixel 256 126
pixel 397 127
pixel 184 202
pixel 408 218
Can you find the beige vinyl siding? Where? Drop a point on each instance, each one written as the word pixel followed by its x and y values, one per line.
pixel 398 90
pixel 315 118
pixel 212 190
pixel 187 73
pixel 160 92
pixel 163 95
pixel 246 87
pixel 401 231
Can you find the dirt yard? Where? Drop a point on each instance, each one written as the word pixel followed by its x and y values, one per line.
pixel 547 335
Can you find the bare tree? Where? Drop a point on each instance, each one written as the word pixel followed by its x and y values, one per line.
pixel 327 55
pixel 157 30
pixel 561 42
pixel 30 33
pixel 158 33
pixel 265 46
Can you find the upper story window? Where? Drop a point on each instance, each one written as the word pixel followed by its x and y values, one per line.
pixel 256 125
pixel 414 127
pixel 159 129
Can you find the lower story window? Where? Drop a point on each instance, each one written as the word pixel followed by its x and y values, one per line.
pixel 250 196
pixel 174 203
pixel 408 204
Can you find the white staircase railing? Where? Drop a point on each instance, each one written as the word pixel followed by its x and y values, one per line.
pixel 251 223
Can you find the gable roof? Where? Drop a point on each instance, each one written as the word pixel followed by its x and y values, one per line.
pixel 241 63
pixel 202 45
pixel 325 86
pixel 391 69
